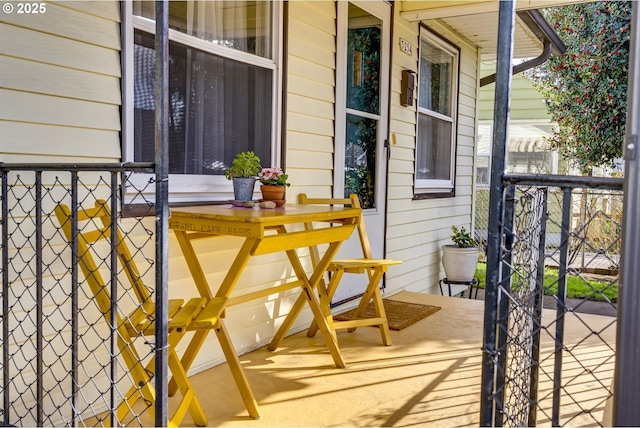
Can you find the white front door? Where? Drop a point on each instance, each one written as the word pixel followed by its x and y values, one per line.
pixel 362 97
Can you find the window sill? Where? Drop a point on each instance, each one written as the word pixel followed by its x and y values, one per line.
pixel 434 195
pixel 146 210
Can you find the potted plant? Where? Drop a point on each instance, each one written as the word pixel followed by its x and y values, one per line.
pixel 461 258
pixel 274 183
pixel 244 173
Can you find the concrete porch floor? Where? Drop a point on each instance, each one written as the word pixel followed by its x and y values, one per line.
pixel 430 376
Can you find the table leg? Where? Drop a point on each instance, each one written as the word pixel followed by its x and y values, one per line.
pixel 321 309
pixel 236 370
pixel 293 312
pixel 288 322
pixel 194 265
pixel 331 291
pixel 233 274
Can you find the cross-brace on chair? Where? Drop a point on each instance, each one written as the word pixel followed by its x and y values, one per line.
pixel 196 314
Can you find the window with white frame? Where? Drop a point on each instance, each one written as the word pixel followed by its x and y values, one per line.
pixel 224 84
pixel 437 115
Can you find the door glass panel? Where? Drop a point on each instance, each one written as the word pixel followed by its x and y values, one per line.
pixel 363 95
pixel 363 62
pixel 360 159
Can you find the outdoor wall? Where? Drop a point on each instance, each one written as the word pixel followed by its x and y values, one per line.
pixel 61 95
pixel 417 228
pixel 310 97
pixel 60 83
pixel 309 128
pixel 61 100
pixel 59 103
pixel 526 101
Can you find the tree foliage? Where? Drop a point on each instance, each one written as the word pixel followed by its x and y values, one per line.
pixel 586 88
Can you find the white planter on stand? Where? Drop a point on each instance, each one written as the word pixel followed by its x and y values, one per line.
pixel 459 263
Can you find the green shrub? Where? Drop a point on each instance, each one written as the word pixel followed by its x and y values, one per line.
pixel 577 287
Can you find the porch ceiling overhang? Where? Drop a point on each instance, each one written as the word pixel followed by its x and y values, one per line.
pixel 478 22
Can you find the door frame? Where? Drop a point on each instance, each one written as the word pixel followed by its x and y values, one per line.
pixel 382 10
pixel 375 218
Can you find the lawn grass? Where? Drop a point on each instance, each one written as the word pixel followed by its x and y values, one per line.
pixel 577 288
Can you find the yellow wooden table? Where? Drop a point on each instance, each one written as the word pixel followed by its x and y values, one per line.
pixel 265 231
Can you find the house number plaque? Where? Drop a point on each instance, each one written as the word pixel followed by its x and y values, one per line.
pixel 406 47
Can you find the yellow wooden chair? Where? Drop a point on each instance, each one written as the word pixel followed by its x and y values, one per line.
pixel 374 268
pixel 95 224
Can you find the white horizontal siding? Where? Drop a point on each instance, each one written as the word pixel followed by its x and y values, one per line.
pixel 109 10
pixel 61 98
pixel 60 83
pixel 311 97
pixel 36 77
pixel 69 21
pixel 55 50
pixel 44 109
pixel 417 228
pixel 526 102
pixel 53 140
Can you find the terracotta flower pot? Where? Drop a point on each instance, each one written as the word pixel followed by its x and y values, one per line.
pixel 272 193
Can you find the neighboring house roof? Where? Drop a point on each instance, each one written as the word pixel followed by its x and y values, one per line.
pixel 523 137
pixel 478 22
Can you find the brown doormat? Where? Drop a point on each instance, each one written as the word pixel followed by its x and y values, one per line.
pixel 399 314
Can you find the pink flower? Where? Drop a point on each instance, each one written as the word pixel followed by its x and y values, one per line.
pixel 274 176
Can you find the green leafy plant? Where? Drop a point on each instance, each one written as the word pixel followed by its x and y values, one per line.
pixel 462 238
pixel 246 164
pixel 273 176
pixel 586 88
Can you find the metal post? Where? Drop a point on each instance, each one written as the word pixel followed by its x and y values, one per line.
pixel 75 308
pixel 113 280
pixel 6 377
pixel 561 305
pixel 626 411
pixel 537 314
pixel 506 22
pixel 502 317
pixel 39 301
pixel 162 207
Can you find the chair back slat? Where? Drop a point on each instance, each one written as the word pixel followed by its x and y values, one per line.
pixel 352 201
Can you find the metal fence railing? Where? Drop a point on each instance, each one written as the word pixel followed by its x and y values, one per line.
pixel 595 227
pixel 60 360
pixel 552 366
